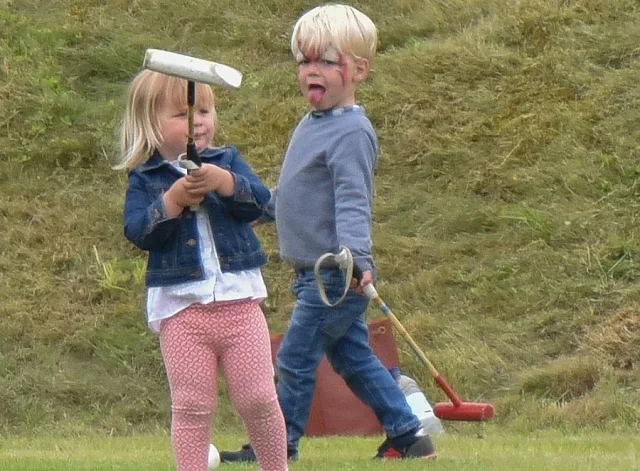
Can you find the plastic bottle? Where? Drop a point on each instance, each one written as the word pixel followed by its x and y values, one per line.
pixel 418 402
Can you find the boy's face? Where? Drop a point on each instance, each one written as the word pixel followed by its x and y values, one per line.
pixel 330 80
pixel 174 127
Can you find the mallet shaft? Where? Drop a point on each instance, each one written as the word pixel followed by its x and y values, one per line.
pixel 192 153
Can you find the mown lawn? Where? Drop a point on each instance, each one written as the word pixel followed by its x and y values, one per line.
pixel 548 450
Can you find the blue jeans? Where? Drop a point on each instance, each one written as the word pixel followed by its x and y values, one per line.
pixel 342 334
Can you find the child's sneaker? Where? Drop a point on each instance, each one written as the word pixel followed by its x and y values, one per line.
pixel 421 447
pixel 244 455
pixel 247 455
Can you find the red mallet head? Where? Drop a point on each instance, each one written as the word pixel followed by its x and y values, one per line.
pixel 464 411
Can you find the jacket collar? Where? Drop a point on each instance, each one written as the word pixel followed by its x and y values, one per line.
pixel 155 161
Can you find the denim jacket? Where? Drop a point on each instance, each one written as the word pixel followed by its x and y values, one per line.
pixel 172 243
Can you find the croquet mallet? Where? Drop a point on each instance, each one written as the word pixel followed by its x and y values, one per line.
pixel 454 410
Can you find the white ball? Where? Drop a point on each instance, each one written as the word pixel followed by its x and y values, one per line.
pixel 214 457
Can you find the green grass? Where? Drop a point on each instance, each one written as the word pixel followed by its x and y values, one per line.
pixel 505 219
pixel 547 450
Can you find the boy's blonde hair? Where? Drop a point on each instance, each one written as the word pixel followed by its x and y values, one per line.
pixel 140 130
pixel 348 30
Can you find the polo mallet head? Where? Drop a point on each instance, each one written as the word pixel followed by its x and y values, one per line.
pixel 193 70
pixel 464 411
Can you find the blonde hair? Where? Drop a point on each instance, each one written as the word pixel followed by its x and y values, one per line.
pixel 348 30
pixel 140 130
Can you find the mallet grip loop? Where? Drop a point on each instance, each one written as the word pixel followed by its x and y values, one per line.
pixel 344 259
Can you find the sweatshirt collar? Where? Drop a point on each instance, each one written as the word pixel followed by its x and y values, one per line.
pixel 335 111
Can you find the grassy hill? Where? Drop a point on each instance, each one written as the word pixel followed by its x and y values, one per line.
pixel 506 214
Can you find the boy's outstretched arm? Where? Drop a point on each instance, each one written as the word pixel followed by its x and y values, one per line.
pixel 269 212
pixel 249 195
pixel 351 164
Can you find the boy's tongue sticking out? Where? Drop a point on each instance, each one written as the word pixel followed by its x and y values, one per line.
pixel 316 92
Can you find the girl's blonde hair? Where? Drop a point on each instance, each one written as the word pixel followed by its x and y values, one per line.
pixel 348 30
pixel 140 130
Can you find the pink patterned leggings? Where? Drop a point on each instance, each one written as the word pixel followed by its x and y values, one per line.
pixel 235 336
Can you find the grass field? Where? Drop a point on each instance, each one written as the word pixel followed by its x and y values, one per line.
pixel 547 450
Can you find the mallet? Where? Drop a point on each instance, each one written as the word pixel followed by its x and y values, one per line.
pixel 193 70
pixel 456 409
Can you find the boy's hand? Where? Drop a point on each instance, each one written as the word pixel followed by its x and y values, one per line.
pixel 180 196
pixel 367 278
pixel 210 177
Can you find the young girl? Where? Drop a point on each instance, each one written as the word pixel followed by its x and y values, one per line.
pixel 203 278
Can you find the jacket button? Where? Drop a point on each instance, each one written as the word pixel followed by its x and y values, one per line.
pixel 191 242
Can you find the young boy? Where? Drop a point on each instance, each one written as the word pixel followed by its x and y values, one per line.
pixel 323 201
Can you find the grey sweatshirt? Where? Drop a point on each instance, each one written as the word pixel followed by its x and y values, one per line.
pixel 325 190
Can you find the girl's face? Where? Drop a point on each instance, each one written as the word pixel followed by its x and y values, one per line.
pixel 330 80
pixel 174 127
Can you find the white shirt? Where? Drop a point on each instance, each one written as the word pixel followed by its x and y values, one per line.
pixel 166 301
